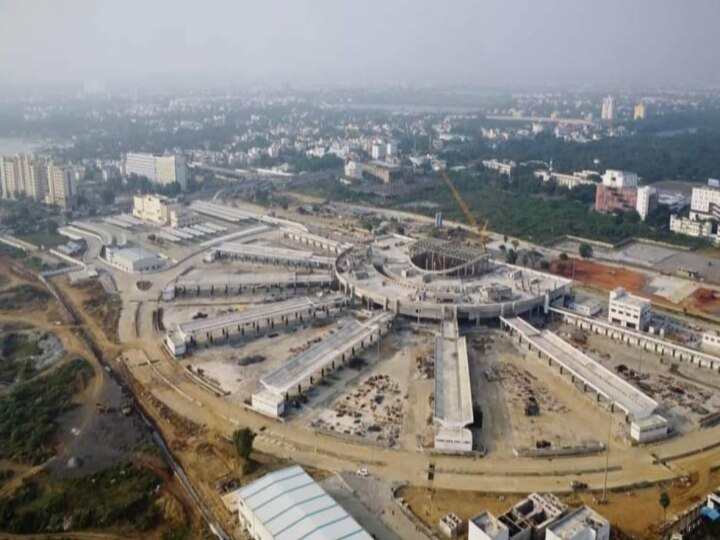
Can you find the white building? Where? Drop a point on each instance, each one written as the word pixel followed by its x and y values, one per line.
pixel 133 260
pixel 288 504
pixel 391 149
pixel 377 151
pixel 154 208
pixel 711 339
pixel 158 169
pixel 569 181
pixel 620 179
pixel 353 170
pixel 649 429
pixel 608 108
pixel 629 311
pixel 182 217
pixel 705 203
pixel 61 186
pixel 269 403
pixel 583 523
pixel 645 196
pixel 485 526
pixel 503 167
pixel 690 227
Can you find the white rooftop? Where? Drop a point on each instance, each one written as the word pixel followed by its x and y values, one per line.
pixel 291 505
pixel 453 400
pixel 580 519
pixel 602 380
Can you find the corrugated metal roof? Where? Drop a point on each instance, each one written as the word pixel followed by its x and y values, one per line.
pixel 292 506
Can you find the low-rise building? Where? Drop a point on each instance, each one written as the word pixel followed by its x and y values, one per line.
pixel 133 260
pixel 503 167
pixel 182 217
pixel 583 523
pixel 485 526
pixel 649 429
pixel 690 227
pixel 529 518
pixel 628 310
pixel 386 172
pixel 705 202
pixel 569 181
pixel 353 170
pixel 288 504
pixel 154 208
pixel 711 339
pixel 451 525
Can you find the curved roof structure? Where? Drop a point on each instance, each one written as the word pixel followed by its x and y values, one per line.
pixel 290 505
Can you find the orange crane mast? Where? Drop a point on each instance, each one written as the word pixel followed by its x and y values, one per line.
pixel 483 233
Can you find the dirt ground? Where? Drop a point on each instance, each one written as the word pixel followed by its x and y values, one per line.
pixel 685 392
pixel 566 418
pixel 637 513
pixel 599 275
pixel 104 307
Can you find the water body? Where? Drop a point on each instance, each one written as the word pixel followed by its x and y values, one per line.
pixel 11 146
pixel 676 132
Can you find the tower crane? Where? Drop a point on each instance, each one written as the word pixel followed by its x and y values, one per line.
pixel 482 232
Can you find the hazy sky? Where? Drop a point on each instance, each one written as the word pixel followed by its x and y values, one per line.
pixel 488 42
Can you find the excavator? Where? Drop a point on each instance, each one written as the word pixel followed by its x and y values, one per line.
pixel 482 232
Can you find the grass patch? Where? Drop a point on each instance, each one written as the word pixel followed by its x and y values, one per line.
pixel 29 411
pixel 120 496
pixel 48 239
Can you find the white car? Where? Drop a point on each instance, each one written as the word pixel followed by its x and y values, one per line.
pixel 362 472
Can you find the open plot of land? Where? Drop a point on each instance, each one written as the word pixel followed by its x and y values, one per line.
pixel 635 253
pixel 24 354
pixel 600 275
pixel 671 288
pixel 634 512
pixel 378 406
pixel 104 307
pixel 707 265
pixel 565 418
pixel 237 366
pixel 685 392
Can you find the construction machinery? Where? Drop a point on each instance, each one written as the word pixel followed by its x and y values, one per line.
pixel 482 232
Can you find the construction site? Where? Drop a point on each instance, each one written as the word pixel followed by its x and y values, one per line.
pixel 425 361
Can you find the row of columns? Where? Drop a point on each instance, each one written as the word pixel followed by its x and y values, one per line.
pixel 511 331
pixel 644 344
pixel 269 323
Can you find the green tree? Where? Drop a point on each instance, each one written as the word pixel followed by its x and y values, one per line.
pixel 511 256
pixel 585 250
pixel 664 502
pixel 564 256
pixel 243 439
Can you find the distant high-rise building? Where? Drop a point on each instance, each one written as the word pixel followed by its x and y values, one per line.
pixel 639 111
pixel 10 177
pixel 34 175
pixel 158 169
pixel 377 151
pixel 61 186
pixel 23 175
pixel 608 108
